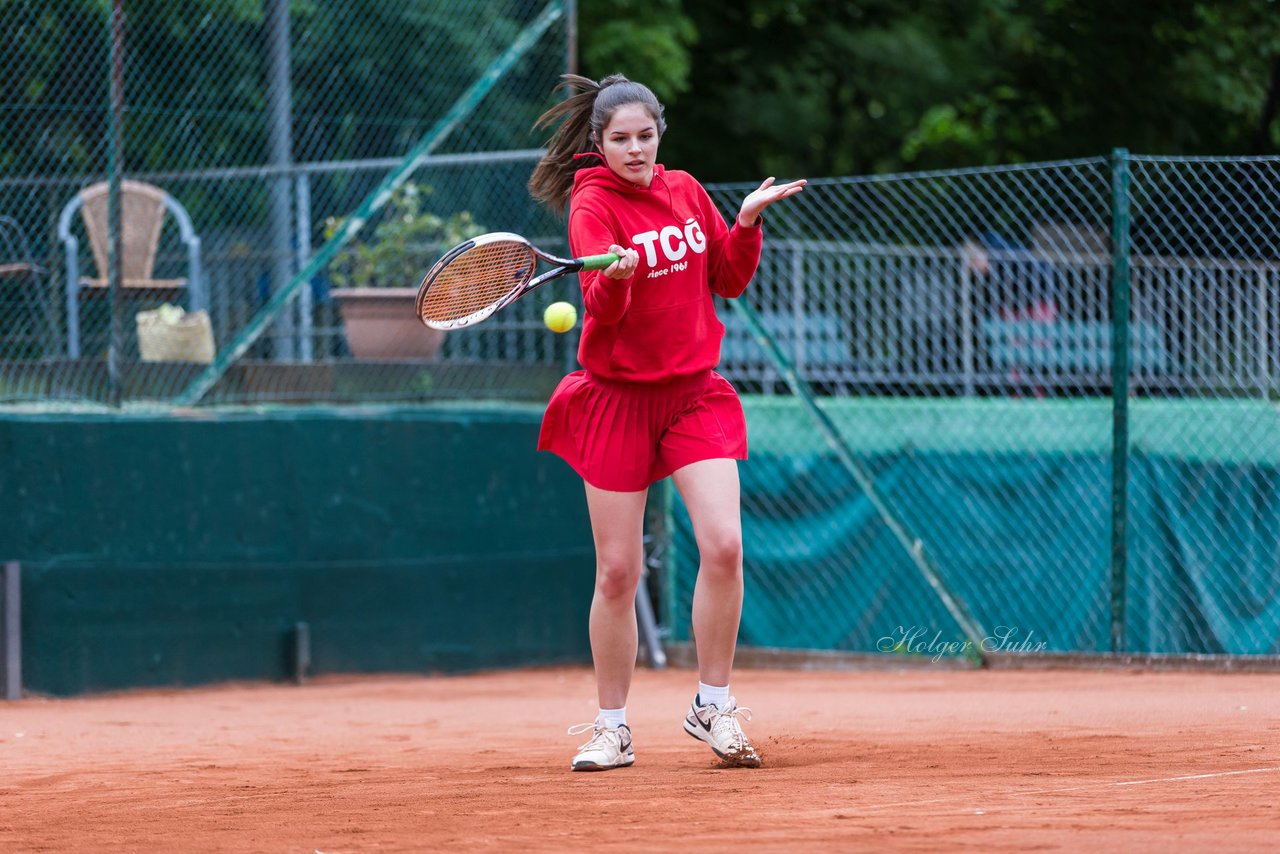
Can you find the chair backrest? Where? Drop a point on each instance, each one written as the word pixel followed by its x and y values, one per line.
pixel 142 212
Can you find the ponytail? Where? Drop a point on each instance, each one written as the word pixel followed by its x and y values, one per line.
pixel 585 114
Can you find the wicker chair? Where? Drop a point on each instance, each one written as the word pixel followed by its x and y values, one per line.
pixel 142 213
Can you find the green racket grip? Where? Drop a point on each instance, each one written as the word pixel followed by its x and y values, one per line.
pixel 598 262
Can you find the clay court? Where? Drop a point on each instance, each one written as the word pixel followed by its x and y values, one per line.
pixel 915 760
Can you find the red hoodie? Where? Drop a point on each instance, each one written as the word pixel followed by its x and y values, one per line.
pixel 661 323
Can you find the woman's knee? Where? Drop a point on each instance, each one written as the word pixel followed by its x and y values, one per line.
pixel 720 552
pixel 617 578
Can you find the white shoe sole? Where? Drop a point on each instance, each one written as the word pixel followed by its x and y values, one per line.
pixel 626 762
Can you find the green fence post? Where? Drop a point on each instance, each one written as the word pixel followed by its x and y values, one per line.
pixel 1119 392
pixel 115 237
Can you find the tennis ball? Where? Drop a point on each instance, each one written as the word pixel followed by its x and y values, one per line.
pixel 560 316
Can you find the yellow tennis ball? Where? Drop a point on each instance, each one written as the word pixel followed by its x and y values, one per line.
pixel 560 316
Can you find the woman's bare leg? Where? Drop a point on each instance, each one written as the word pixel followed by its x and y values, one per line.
pixel 617 525
pixel 710 490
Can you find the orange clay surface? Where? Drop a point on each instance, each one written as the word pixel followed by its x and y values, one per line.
pixel 912 760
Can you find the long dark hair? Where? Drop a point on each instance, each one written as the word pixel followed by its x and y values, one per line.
pixel 586 114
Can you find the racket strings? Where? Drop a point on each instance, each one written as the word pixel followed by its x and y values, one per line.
pixel 477 279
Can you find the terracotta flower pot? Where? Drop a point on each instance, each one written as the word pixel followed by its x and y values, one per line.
pixel 381 325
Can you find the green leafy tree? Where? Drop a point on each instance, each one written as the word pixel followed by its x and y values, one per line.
pixel 647 40
pixel 817 87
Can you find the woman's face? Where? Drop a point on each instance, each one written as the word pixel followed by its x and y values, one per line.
pixel 630 143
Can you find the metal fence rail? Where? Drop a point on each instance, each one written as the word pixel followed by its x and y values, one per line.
pixel 922 321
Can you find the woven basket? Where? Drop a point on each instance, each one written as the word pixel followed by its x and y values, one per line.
pixel 169 334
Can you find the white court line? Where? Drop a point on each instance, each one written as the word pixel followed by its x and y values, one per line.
pixel 1099 785
pixel 1194 776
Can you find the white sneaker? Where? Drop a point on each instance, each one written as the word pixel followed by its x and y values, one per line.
pixel 721 730
pixel 609 747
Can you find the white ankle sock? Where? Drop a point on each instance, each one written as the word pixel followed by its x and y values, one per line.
pixel 613 718
pixel 712 694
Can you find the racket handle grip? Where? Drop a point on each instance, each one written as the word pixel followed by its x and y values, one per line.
pixel 598 262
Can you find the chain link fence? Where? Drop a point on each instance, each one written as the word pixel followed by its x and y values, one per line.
pixel 947 458
pixel 247 137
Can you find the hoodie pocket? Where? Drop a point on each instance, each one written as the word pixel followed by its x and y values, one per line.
pixel 668 340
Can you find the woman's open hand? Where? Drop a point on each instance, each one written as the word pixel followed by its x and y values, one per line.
pixel 762 197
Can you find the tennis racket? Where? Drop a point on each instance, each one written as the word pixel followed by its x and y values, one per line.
pixel 487 273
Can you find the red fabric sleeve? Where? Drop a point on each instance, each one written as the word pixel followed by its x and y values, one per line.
pixel 735 252
pixel 605 299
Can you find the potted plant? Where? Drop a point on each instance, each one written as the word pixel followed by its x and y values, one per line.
pixel 375 278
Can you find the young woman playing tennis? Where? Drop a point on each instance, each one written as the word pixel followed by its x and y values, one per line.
pixel 648 403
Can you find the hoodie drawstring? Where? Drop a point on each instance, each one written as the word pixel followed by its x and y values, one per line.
pixel 671 203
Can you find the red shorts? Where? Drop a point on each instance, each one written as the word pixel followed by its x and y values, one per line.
pixel 622 437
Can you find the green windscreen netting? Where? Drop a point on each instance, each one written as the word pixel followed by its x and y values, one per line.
pixel 1010 498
